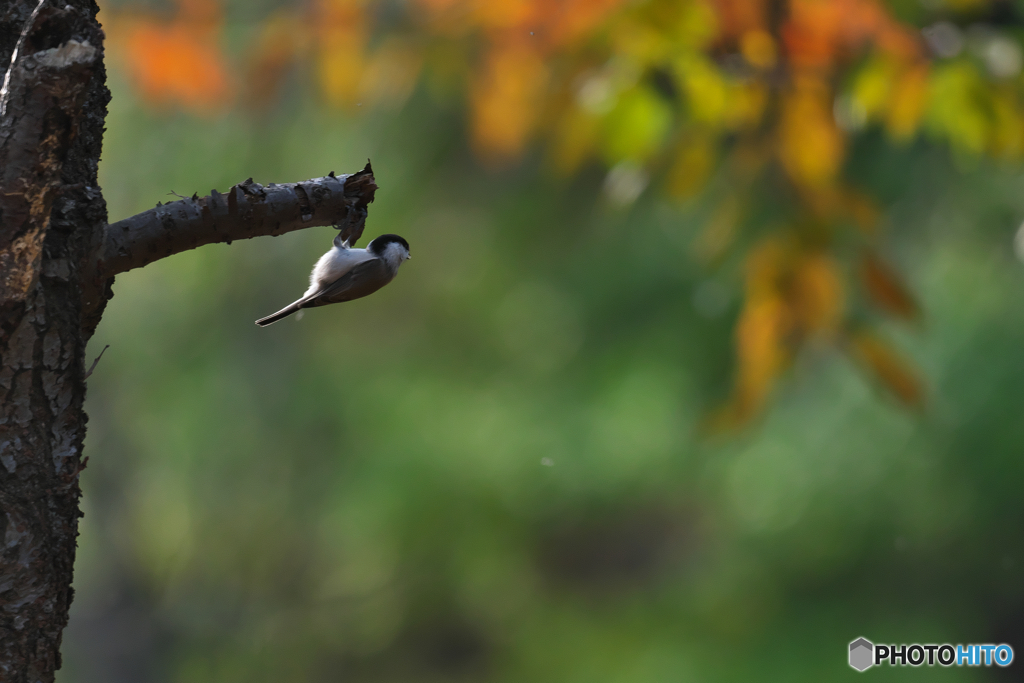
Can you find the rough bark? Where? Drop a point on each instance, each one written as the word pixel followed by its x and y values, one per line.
pixel 57 261
pixel 247 210
pixel 51 216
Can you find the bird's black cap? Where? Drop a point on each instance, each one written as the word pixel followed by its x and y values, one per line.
pixel 379 244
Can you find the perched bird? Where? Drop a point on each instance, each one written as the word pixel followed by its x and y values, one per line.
pixel 344 274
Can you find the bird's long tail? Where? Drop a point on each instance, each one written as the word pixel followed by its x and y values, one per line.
pixel 283 313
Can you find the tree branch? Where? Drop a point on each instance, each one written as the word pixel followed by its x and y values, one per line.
pixel 246 210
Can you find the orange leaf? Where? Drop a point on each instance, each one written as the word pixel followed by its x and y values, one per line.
pixel 740 16
pixel 176 63
pixel 886 289
pixel 758 48
pixel 818 31
pixel 894 371
pixel 760 351
pixel 764 323
pixel 764 268
pixel 817 293
pixel 505 99
pixel 576 18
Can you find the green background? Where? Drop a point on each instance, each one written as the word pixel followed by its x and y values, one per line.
pixel 492 470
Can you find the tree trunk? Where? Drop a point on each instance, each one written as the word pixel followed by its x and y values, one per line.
pixel 51 217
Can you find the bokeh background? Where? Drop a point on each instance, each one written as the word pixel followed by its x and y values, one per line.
pixel 709 361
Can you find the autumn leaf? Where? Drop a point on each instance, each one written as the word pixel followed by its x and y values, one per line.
pixel 885 288
pixel 957 96
pixel 818 298
pixel 908 102
pixel 811 147
pixel 895 372
pixel 705 87
pixel 695 159
pixel 505 99
pixel 739 17
pixel 676 92
pixel 341 34
pixel 574 140
pixel 176 62
pixel 758 48
pixel 762 328
pixel 636 127
pixel 760 352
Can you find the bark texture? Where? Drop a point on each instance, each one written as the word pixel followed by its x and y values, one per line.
pixel 246 210
pixel 51 219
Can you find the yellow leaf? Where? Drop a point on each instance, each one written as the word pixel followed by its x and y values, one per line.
pixel 760 334
pixel 340 71
pixel 760 352
pixel 872 85
pixel 505 98
pixel 705 88
pixel 907 103
pixel 641 43
pixel 811 148
pixel 574 139
pixel 956 110
pixel 746 105
pixel 697 26
pixel 341 36
pixel 1008 124
pixel 758 48
pixel 636 127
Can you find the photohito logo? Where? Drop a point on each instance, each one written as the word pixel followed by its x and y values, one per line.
pixel 864 654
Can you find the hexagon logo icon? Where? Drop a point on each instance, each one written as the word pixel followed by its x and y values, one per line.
pixel 861 654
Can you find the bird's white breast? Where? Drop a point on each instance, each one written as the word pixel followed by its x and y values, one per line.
pixel 334 264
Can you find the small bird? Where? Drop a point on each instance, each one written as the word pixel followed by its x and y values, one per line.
pixel 344 274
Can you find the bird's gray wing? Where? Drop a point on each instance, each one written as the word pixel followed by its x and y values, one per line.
pixel 365 278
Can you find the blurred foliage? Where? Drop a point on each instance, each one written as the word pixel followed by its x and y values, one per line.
pixel 757 92
pixel 492 469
